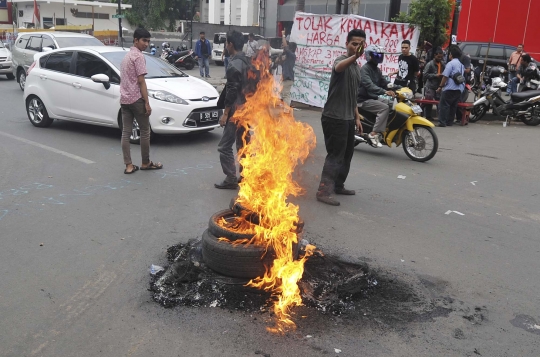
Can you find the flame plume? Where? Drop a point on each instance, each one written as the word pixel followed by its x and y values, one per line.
pixel 277 145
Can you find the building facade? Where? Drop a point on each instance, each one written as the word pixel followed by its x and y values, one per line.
pixel 230 12
pixel 69 12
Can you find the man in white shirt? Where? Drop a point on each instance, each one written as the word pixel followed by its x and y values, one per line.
pixel 252 46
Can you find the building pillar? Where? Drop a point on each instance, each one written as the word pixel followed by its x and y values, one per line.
pixel 247 11
pixel 214 11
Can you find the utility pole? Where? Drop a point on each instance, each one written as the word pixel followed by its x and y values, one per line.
pixel 191 24
pixel 120 40
pixel 338 6
pixel 346 7
pixel 65 21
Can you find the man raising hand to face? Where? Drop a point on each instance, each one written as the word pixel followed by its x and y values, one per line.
pixel 339 118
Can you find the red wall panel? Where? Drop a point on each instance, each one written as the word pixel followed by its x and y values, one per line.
pixel 502 21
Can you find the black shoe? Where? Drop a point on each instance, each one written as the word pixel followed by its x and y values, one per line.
pixel 226 185
pixel 207 76
pixel 327 199
pixel 344 191
pixel 441 125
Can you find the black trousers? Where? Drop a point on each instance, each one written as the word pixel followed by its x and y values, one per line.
pixel 448 106
pixel 339 142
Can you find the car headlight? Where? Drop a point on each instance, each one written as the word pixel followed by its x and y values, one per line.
pixel 8 57
pixel 166 97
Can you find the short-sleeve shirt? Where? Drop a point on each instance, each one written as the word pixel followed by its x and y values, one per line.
pixel 453 67
pixel 342 92
pixel 252 47
pixel 288 64
pixel 133 65
pixel 407 67
pixel 515 58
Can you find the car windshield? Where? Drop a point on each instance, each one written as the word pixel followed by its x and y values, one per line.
pixel 64 42
pixel 2 45
pixel 156 68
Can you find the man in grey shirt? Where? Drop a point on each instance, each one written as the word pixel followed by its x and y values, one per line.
pixel 339 118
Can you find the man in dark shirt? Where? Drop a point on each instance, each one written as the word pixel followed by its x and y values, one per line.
pixel 408 67
pixel 339 118
pixel 287 65
pixel 234 97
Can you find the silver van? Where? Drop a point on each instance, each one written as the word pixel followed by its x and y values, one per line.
pixel 28 44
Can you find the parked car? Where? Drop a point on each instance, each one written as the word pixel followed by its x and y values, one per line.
pixel 219 45
pixel 498 53
pixel 82 84
pixel 5 61
pixel 28 44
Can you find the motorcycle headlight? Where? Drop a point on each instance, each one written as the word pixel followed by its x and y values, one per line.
pixel 407 95
pixel 166 97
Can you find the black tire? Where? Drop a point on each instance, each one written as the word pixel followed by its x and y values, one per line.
pixel 533 121
pixel 238 261
pixel 408 144
pixel 215 229
pixel 477 113
pixel 135 137
pixel 10 76
pixel 21 78
pixel 37 113
pixel 190 65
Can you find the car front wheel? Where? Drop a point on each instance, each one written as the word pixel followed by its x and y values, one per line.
pixel 21 78
pixel 37 113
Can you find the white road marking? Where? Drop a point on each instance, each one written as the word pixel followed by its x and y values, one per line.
pixel 474 183
pixel 456 212
pixel 45 147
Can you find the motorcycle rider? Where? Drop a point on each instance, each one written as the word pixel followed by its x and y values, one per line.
pixel 372 85
pixel 527 71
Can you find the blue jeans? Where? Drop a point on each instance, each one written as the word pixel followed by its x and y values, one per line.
pixel 512 83
pixel 204 63
pixel 226 61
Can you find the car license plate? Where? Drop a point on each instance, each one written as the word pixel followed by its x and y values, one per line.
pixel 417 109
pixel 209 116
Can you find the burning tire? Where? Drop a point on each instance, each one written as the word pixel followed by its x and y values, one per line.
pixel 238 261
pixel 219 231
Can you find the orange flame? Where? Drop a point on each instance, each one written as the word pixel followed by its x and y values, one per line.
pixel 277 145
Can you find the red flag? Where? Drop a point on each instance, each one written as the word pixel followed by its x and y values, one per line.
pixel 37 18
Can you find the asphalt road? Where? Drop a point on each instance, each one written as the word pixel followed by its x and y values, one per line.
pixel 78 237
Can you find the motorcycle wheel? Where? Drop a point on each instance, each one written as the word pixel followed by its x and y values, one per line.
pixel 426 146
pixel 533 121
pixel 477 113
pixel 190 65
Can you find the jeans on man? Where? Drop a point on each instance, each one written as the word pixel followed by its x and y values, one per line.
pixel 130 112
pixel 462 99
pixel 231 133
pixel 204 64
pixel 448 107
pixel 431 94
pixel 380 109
pixel 512 82
pixel 339 142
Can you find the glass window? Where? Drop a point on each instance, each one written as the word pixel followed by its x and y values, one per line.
pixel 156 67
pixel 34 44
pixel 22 42
pixel 471 50
pixel 48 42
pixel 89 65
pixel 59 61
pixel 43 60
pixel 495 52
pixel 78 41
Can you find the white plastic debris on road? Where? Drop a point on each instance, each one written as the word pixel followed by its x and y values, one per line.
pixel 337 350
pixel 154 269
pixel 456 212
pixel 401 177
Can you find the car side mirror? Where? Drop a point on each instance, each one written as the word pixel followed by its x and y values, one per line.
pixel 46 49
pixel 102 78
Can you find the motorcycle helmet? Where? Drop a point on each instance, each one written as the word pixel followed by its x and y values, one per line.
pixel 495 72
pixel 374 52
pixel 496 82
pixel 152 46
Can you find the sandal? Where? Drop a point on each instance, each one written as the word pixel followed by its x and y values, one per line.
pixel 152 166
pixel 135 168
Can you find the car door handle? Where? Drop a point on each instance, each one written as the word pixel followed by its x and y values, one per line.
pixel 42 76
pixel 76 85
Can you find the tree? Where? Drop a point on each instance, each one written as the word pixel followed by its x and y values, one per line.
pixel 156 14
pixel 432 17
pixel 300 5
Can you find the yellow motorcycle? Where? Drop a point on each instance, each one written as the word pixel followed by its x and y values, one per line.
pixel 405 126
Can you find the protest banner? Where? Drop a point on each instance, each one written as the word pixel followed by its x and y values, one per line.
pixel 321 39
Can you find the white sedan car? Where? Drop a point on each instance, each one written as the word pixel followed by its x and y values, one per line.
pixel 83 85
